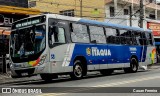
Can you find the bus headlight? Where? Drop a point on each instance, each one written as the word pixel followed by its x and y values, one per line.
pixel 42 59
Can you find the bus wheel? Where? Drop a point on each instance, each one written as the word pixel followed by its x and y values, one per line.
pixel 106 72
pixel 133 66
pixel 48 77
pixel 77 70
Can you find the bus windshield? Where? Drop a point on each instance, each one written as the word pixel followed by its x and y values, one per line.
pixel 27 43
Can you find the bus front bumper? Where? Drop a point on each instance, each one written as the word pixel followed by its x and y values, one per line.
pixel 26 71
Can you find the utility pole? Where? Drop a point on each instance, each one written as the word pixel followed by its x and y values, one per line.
pixel 141 14
pixel 81 8
pixel 4 68
pixel 130 16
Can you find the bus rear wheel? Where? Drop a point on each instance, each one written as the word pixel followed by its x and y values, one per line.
pixel 133 66
pixel 107 72
pixel 77 70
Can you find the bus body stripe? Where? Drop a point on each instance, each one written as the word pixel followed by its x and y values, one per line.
pixel 69 54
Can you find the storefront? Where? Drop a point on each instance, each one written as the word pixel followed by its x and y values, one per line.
pixel 9 14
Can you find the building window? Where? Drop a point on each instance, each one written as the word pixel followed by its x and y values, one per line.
pixel 152 16
pixel 67 12
pixel 32 4
pixel 111 11
pixel 126 12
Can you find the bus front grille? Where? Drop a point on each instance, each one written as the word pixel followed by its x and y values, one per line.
pixel 29 71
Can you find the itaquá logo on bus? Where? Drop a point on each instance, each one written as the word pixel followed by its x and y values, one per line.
pixel 94 51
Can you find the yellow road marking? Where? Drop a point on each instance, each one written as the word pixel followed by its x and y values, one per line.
pixel 104 85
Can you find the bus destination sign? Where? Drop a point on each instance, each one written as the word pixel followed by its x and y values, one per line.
pixel 28 22
pixel 23 24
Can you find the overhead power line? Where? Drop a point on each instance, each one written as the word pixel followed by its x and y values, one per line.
pixel 118 12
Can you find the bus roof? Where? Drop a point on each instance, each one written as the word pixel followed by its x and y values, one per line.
pixel 113 25
pixel 94 22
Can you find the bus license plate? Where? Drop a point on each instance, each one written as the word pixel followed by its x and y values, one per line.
pixel 24 74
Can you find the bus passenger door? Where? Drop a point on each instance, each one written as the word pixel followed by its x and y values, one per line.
pixel 57 48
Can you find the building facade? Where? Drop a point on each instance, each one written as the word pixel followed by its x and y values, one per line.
pixel 118 9
pixel 92 9
pixel 15 3
pixel 127 12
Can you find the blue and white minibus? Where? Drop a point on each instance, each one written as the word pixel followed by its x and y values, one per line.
pixel 52 45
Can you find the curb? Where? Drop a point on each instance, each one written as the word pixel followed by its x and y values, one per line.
pixel 154 66
pixel 4 76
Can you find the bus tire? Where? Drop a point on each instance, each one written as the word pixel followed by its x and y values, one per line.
pixel 48 77
pixel 106 72
pixel 133 66
pixel 77 70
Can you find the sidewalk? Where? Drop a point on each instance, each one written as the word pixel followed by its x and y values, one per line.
pixel 154 66
pixel 4 76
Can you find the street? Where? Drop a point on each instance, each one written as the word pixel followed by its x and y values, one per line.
pixel 93 83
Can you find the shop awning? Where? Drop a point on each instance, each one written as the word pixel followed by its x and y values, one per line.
pixel 5 32
pixel 18 10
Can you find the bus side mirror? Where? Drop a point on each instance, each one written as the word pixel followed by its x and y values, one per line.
pixel 52 30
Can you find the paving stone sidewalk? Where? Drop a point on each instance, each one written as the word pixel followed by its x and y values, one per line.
pixel 4 76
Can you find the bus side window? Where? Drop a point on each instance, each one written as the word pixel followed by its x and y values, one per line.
pixel 56 35
pixel 61 35
pixel 97 34
pixel 128 37
pixel 79 33
pixel 50 35
pixel 122 36
pixel 137 37
pixel 111 34
pixel 144 39
pixel 118 41
pixel 133 36
pixel 149 38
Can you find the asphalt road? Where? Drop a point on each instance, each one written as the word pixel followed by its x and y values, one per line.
pixel 94 83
